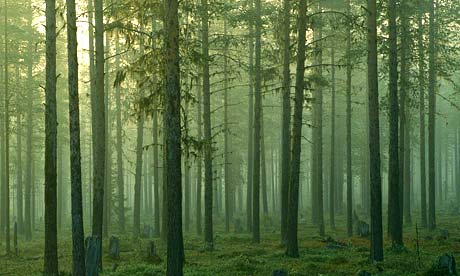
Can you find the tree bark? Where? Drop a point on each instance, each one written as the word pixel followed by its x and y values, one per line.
pixel 374 135
pixel 51 256
pixel 78 247
pixel 431 119
pixel 348 122
pixel 394 214
pixel 292 221
pixel 175 245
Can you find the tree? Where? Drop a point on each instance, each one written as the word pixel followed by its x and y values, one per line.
pixel 139 153
pixel 374 135
pixel 292 246
pixel 348 122
pixel 199 161
pixel 175 242
pixel 431 118
pixel 250 160
pixel 98 120
pixel 394 214
pixel 51 257
pixel 78 247
pixel 6 145
pixel 208 193
pixel 286 119
pixel 19 189
pixel 332 179
pixel 257 121
pixel 119 145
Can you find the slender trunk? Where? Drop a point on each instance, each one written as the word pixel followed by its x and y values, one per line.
pixel 332 180
pixel 175 244
pixel 257 126
pixel 19 189
pixel 139 153
pixel 28 186
pixel 348 122
pixel 108 153
pixel 98 120
pixel 226 138
pixel 199 161
pixel 78 248
pixel 51 256
pixel 187 183
pixel 156 178
pixel 250 160
pixel 431 119
pixel 120 177
pixel 394 214
pixel 208 194
pixel 292 221
pixel 263 165
pixel 374 135
pixel 286 118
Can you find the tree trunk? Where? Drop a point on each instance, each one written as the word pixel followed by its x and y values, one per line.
pixel 431 119
pixel 51 256
pixel 139 153
pixel 19 184
pixel 98 120
pixel 292 221
pixel 250 160
pixel 332 181
pixel 374 135
pixel 226 137
pixel 208 194
pixel 108 153
pixel 156 176
pixel 28 186
pixel 286 119
pixel 78 247
pixel 394 214
pixel 175 244
pixel 348 122
pixel 257 126
pixel 199 162
pixel 120 176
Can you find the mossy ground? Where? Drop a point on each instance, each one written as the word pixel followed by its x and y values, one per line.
pixel 236 255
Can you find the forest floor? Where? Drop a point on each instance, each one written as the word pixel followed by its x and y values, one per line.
pixel 236 255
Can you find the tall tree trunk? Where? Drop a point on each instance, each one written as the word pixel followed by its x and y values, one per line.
pixel 19 184
pixel 374 135
pixel 317 168
pixel 332 181
pixel 263 166
pixel 51 256
pixel 226 137
pixel 98 119
pixel 292 221
pixel 175 244
pixel 108 153
pixel 199 161
pixel 394 214
pixel 257 124
pixel 431 119
pixel 120 176
pixel 348 122
pixel 208 194
pixel 250 160
pixel 29 119
pixel 187 184
pixel 403 119
pixel 156 176
pixel 286 119
pixel 78 247
pixel 139 152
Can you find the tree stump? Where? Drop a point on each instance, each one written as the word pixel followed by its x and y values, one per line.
pixel 279 272
pixel 15 238
pixel 93 255
pixel 445 266
pixel 114 248
pixel 362 229
pixel 238 226
pixel 152 255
